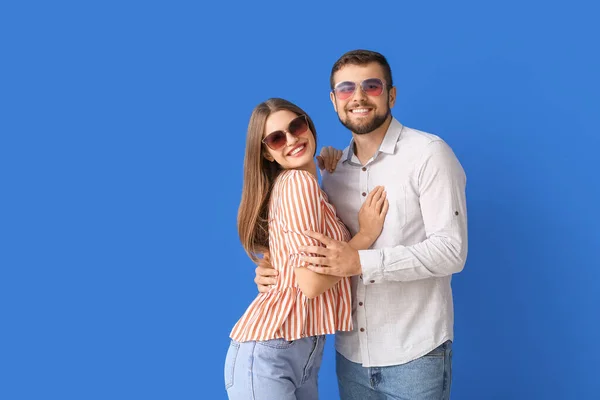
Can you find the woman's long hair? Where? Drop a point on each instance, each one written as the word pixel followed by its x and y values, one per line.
pixel 259 176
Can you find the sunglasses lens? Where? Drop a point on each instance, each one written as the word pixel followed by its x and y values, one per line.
pixel 275 140
pixel 372 87
pixel 343 90
pixel 278 139
pixel 298 126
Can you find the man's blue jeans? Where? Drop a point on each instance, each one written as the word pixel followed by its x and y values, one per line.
pixel 426 378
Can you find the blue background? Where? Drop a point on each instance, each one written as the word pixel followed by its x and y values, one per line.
pixel 122 136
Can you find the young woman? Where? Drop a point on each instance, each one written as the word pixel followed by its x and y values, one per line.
pixel 277 345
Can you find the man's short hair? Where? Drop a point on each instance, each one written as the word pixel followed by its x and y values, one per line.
pixel 362 57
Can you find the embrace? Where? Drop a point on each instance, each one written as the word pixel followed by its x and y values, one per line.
pixel 368 257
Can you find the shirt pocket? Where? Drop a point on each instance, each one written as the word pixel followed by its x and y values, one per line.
pixel 396 216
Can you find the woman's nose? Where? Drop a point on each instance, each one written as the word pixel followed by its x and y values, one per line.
pixel 291 139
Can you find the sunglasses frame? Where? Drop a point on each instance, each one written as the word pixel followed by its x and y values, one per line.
pixel 383 86
pixel 284 131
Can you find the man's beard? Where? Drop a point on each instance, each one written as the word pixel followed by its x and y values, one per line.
pixel 368 127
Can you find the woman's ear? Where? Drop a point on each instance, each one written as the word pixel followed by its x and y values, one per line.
pixel 268 156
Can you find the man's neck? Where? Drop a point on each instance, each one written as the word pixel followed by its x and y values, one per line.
pixel 366 145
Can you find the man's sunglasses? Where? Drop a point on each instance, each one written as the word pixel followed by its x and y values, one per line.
pixel 371 86
pixel 278 139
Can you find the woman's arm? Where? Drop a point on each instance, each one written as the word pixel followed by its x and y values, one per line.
pixel 302 211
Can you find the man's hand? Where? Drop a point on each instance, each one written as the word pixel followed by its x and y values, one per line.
pixel 336 258
pixel 266 275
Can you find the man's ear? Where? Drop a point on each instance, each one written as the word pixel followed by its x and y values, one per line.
pixel 332 98
pixel 392 97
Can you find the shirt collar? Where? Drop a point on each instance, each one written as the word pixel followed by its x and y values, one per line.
pixel 388 146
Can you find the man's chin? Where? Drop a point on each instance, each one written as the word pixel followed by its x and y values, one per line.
pixel 361 128
pixel 364 127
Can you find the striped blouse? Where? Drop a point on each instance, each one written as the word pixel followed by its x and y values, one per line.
pixel 297 204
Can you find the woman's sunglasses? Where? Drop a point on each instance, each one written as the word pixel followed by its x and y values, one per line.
pixel 371 86
pixel 278 139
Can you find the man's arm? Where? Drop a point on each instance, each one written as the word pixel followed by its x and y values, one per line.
pixel 442 183
pixel 442 199
pixel 266 275
pixel 371 218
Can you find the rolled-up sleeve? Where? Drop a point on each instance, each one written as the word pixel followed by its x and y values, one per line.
pixel 441 185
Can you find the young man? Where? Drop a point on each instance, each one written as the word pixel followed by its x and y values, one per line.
pixel 402 309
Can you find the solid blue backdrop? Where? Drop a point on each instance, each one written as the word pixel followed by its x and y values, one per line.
pixel 122 138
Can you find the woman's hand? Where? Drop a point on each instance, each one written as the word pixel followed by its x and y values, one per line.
pixel 329 158
pixel 372 213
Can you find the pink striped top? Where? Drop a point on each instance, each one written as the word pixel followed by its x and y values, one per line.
pixel 297 204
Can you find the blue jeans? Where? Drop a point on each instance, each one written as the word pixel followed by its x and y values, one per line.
pixel 274 369
pixel 426 378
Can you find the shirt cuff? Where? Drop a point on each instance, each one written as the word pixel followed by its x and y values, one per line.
pixel 371 262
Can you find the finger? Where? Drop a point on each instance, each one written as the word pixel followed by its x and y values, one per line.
pixel 263 288
pixel 320 237
pixel 320 163
pixel 315 260
pixel 330 158
pixel 265 281
pixel 379 203
pixel 320 270
pixel 372 194
pixel 369 198
pixel 266 271
pixel 322 251
pixel 379 193
pixel 385 208
pixel 336 159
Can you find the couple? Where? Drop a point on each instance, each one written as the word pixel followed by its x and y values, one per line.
pixel 369 258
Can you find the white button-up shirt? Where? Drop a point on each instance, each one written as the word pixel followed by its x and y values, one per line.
pixel 402 303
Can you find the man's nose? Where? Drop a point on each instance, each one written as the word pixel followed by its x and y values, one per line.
pixel 359 94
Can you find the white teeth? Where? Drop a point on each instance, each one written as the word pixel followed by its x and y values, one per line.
pixel 360 110
pixel 296 151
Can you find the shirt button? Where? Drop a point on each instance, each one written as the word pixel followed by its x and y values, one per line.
pixel 362 329
pixel 360 304
pixel 372 281
pixel 364 194
pixel 364 168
